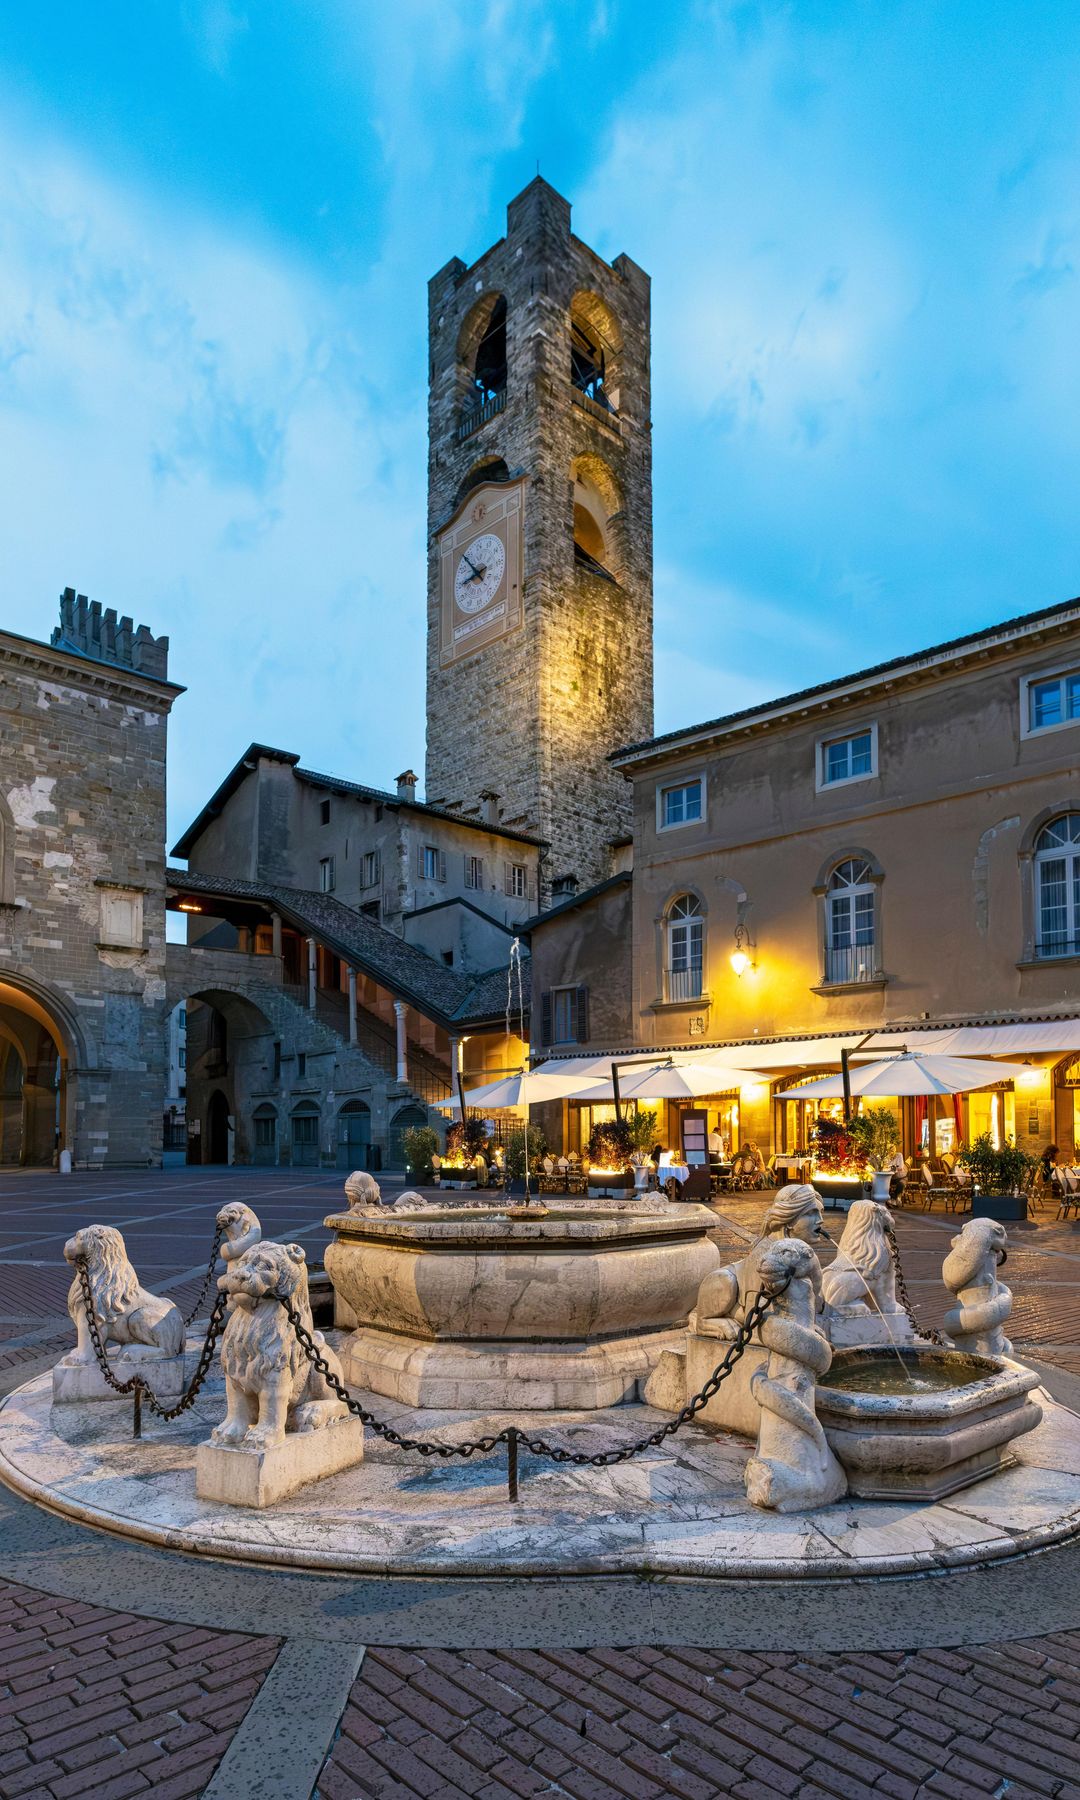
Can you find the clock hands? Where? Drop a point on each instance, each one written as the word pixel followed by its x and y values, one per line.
pixel 477 574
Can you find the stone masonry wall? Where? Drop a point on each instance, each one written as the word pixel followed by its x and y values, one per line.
pixel 82 821
pixel 534 716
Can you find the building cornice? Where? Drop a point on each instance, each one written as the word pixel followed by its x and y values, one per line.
pixel 87 672
pixel 960 655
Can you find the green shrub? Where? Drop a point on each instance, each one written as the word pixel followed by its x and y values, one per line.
pixel 875 1135
pixel 1004 1171
pixel 610 1145
pixel 523 1151
pixel 419 1144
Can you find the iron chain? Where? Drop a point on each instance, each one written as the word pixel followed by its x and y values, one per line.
pixel 136 1382
pixel 208 1277
pixel 925 1331
pixel 759 1307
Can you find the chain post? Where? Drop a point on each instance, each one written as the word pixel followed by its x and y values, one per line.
pixel 136 1417
pixel 512 1461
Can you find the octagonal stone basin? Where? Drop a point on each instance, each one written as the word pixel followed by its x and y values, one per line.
pixel 473 1308
pixel 918 1422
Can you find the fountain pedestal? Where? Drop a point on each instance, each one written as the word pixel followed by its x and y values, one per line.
pixel 470 1308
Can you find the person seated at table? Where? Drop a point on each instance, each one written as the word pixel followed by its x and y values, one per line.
pixel 1047 1160
pixel 896 1169
pixel 655 1154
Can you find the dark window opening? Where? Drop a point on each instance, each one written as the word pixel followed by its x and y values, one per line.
pixel 489 369
pixel 583 560
pixel 588 370
pixel 324 812
pixel 448 958
pixel 301 1064
pixel 370 910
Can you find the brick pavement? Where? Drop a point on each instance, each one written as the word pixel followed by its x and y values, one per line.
pixel 100 1705
pixel 103 1705
pixel 640 1724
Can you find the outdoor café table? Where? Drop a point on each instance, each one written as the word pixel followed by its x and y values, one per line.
pixel 680 1171
pixel 721 1174
pixel 793 1167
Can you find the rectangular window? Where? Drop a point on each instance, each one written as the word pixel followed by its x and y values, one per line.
pixel 474 871
pixel 515 880
pixel 431 863
pixel 847 758
pixel 324 811
pixel 181 1057
pixel 369 873
pixel 681 805
pixel 301 1064
pixel 265 1131
pixel 1052 701
pixel 326 874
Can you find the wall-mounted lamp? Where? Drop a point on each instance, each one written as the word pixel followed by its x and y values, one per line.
pixel 188 906
pixel 740 957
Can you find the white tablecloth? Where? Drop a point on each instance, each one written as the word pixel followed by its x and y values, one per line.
pixel 666 1170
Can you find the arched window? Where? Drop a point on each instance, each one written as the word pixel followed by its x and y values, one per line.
pixel 849 923
pixel 1057 887
pixel 597 504
pixel 489 368
pixel 685 933
pixel 595 344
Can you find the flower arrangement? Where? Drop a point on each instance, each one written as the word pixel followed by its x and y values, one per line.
pixel 610 1146
pixel 834 1150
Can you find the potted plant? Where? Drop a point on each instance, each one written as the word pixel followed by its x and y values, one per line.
pixel 875 1137
pixel 1001 1178
pixel 420 1143
pixel 642 1138
pixel 524 1149
pixel 608 1151
pixel 837 1175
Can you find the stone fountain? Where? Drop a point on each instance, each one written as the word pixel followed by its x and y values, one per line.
pixel 532 1307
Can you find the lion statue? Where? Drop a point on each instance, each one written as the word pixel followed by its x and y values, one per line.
pixel 126 1312
pixel 725 1294
pixel 241 1227
pixel 270 1387
pixel 976 1323
pixel 862 1277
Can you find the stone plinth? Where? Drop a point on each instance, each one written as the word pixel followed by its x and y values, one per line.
pixel 901 1444
pixel 471 1308
pixel 242 1477
pixel 732 1407
pixel 854 1327
pixel 168 1376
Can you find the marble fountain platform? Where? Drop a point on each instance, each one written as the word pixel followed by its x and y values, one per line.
pixel 677 1511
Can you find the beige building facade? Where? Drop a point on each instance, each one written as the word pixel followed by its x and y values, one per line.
pixel 897 853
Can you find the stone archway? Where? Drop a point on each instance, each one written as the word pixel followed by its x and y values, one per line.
pixel 40 1046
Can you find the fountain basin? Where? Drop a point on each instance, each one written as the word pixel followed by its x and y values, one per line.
pixel 945 1423
pixel 473 1307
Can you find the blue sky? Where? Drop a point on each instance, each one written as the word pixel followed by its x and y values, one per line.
pixel 217 220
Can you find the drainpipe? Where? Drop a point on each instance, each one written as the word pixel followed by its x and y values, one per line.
pixel 402 1044
pixel 352 1006
pixel 311 973
pixel 275 926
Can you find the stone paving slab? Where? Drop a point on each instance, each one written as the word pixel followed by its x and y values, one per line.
pixel 679 1509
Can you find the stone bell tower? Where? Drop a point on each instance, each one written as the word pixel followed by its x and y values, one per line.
pixel 539 650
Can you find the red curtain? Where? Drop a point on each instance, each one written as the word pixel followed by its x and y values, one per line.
pixel 958 1115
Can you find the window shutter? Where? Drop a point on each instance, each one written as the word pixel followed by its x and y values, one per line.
pixel 545 1017
pixel 582 1010
pixel 508 878
pixel 442 865
pixel 420 862
pixel 469 872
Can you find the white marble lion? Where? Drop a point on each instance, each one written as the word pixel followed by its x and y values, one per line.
pixel 241 1227
pixel 270 1386
pixel 127 1313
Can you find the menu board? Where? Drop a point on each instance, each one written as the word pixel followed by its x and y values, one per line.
pixel 695 1149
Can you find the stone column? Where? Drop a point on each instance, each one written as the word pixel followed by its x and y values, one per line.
pixel 275 926
pixel 402 1042
pixel 352 1006
pixel 311 973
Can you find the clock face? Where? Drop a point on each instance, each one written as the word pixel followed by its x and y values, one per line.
pixel 479 572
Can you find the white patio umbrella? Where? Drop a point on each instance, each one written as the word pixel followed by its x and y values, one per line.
pixel 670 1081
pixel 526 1088
pixel 909 1072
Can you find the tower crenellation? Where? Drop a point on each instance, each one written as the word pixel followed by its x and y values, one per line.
pixel 540 523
